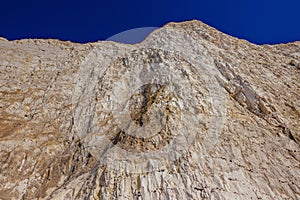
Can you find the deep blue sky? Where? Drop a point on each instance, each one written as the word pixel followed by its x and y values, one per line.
pixel 259 21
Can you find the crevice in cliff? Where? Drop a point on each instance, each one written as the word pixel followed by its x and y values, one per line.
pixel 242 92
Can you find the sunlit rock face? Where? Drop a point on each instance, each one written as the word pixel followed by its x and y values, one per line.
pixel 189 113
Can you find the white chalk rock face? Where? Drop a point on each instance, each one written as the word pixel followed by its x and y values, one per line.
pixel 189 113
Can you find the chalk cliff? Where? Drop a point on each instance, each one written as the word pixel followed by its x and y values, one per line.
pixel 189 113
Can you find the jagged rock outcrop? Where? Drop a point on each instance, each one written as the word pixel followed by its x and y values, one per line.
pixel 189 113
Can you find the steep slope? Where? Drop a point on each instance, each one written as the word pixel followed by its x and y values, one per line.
pixel 189 113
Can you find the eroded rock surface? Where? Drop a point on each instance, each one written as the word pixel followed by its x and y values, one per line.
pixel 190 113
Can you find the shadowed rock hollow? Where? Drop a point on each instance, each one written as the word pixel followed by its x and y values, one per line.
pixel 189 113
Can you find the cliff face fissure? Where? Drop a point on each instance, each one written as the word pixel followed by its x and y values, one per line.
pixel 189 113
pixel 241 91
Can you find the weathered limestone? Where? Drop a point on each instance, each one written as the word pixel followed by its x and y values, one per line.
pixel 189 113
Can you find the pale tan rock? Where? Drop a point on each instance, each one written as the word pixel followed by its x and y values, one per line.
pixel 190 113
pixel 3 39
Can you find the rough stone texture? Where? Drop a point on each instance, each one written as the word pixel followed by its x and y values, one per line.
pixel 190 113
